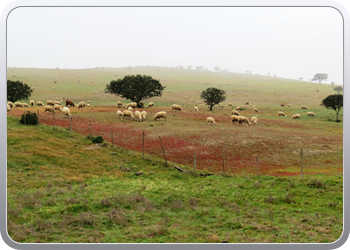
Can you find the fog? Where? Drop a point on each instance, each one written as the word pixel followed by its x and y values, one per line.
pixel 289 42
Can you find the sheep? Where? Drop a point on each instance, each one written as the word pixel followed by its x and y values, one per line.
pixel 230 104
pixel 210 120
pixel 256 110
pixel 311 114
pixel 282 105
pixel 95 92
pixel 39 103
pixel 119 114
pixel 161 114
pixel 66 112
pixel 127 113
pixel 57 102
pixel 120 105
pixel 234 112
pixel 238 108
pixel 8 107
pixel 81 105
pixel 151 104
pixel 196 108
pixel 288 105
pixel 31 103
pixel 49 108
pixel 186 97
pixel 132 104
pixel 246 95
pixel 280 113
pixel 70 103
pixel 130 108
pixel 234 118
pixel 254 120
pixel 50 103
pixel 247 103
pixel 303 107
pixel 25 105
pixel 243 119
pixel 138 116
pixel 57 107
pixel 89 101
pixel 143 114
pixel 296 116
pixel 176 107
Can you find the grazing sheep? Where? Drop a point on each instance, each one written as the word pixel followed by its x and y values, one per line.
pixel 254 120
pixel 132 104
pixel 196 108
pixel 247 103
pixel 57 107
pixel 50 103
pixel 25 105
pixel 11 104
pixel 128 113
pixel 176 107
pixel 89 101
pixel 311 114
pixel 70 103
pixel 282 105
pixel 57 102
pixel 238 108
pixel 234 118
pixel 143 114
pixel 119 114
pixel 8 107
pixel 296 116
pixel 138 116
pixel 151 104
pixel 243 120
pixel 50 109
pixel 130 108
pixel 66 112
pixel 186 97
pixel 210 120
pixel 81 105
pixel 246 95
pixel 120 105
pixel 303 107
pixel 31 103
pixel 288 105
pixel 95 92
pixel 141 104
pixel 234 112
pixel 280 113
pixel 39 103
pixel 256 110
pixel 230 104
pixel 17 104
pixel 161 114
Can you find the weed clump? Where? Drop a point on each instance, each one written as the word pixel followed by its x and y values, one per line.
pixel 317 184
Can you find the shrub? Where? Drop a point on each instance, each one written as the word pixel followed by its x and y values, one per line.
pixel 29 119
pixel 97 139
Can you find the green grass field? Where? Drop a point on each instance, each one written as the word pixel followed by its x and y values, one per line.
pixel 66 189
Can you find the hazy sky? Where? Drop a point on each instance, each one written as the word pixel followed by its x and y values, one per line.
pixel 290 42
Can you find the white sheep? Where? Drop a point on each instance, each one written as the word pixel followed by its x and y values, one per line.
pixel 120 105
pixel 81 105
pixel 39 103
pixel 161 114
pixel 311 114
pixel 238 108
pixel 31 103
pixel 254 120
pixel 10 103
pixel 256 110
pixel 138 115
pixel 296 116
pixel 234 118
pixel 230 104
pixel 127 113
pixel 196 108
pixel 176 107
pixel 25 105
pixel 143 114
pixel 210 120
pixel 49 108
pixel 57 102
pixel 50 103
pixel 130 108
pixel 280 113
pixel 234 112
pixel 57 107
pixel 151 104
pixel 8 107
pixel 132 104
pixel 243 120
pixel 119 114
pixel 66 112
pixel 303 107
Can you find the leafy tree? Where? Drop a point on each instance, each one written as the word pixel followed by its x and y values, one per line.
pixel 213 96
pixel 17 90
pixel 217 68
pixel 189 66
pixel 334 102
pixel 135 88
pixel 338 89
pixel 332 83
pixel 320 77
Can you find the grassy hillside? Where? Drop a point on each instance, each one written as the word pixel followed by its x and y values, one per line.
pixel 63 188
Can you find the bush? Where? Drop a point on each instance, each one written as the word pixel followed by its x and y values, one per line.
pixel 29 118
pixel 97 139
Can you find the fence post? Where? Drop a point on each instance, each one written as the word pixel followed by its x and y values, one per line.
pixel 143 145
pixel 38 117
pixel 89 127
pixel 11 112
pixel 53 117
pixel 24 115
pixel 166 162
pixel 195 162
pixel 257 166
pixel 112 136
pixel 301 162
pixel 71 126
pixel 223 159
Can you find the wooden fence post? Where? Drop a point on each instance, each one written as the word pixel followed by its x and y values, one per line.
pixel 257 166
pixel 223 159
pixel 194 162
pixel 301 163
pixel 143 145
pixel 166 162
